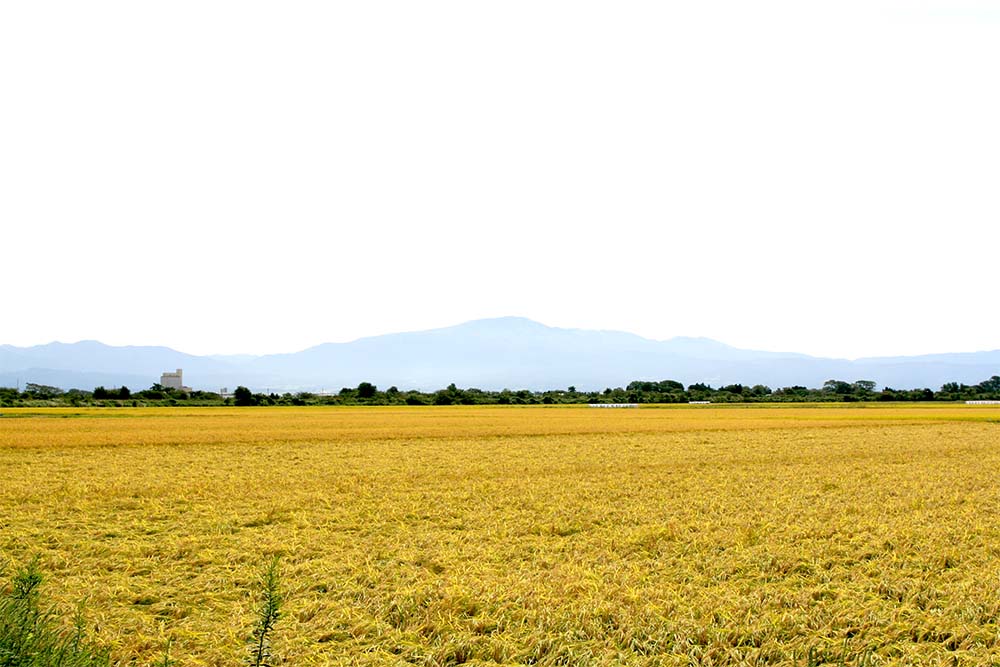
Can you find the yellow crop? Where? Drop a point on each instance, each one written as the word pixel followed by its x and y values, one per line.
pixel 662 536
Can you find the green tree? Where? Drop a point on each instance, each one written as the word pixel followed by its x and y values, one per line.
pixel 42 390
pixel 838 387
pixel 864 386
pixel 243 396
pixel 991 386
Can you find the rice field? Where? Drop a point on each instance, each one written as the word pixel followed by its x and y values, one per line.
pixel 681 535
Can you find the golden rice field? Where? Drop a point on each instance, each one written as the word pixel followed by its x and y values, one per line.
pixel 688 535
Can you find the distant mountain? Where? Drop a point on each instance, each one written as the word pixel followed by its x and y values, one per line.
pixel 89 363
pixel 506 352
pixel 232 358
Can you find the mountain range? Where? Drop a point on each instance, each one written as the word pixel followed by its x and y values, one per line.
pixel 506 352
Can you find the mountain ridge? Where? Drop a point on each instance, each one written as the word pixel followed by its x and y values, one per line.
pixel 494 353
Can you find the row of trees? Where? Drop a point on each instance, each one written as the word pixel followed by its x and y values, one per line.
pixel 41 394
pixel 640 391
pixel 664 391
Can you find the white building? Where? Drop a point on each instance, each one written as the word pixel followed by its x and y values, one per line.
pixel 174 380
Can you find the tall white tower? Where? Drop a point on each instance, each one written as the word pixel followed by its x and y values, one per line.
pixel 173 380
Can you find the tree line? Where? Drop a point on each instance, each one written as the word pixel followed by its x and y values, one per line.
pixel 639 391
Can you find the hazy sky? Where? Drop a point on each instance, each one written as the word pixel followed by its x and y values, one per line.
pixel 265 176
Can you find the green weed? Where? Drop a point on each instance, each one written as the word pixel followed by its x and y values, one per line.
pixel 31 636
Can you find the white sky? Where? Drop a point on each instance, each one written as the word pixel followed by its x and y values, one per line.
pixel 262 177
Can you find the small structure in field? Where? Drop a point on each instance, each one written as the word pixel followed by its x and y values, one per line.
pixel 699 402
pixel 982 402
